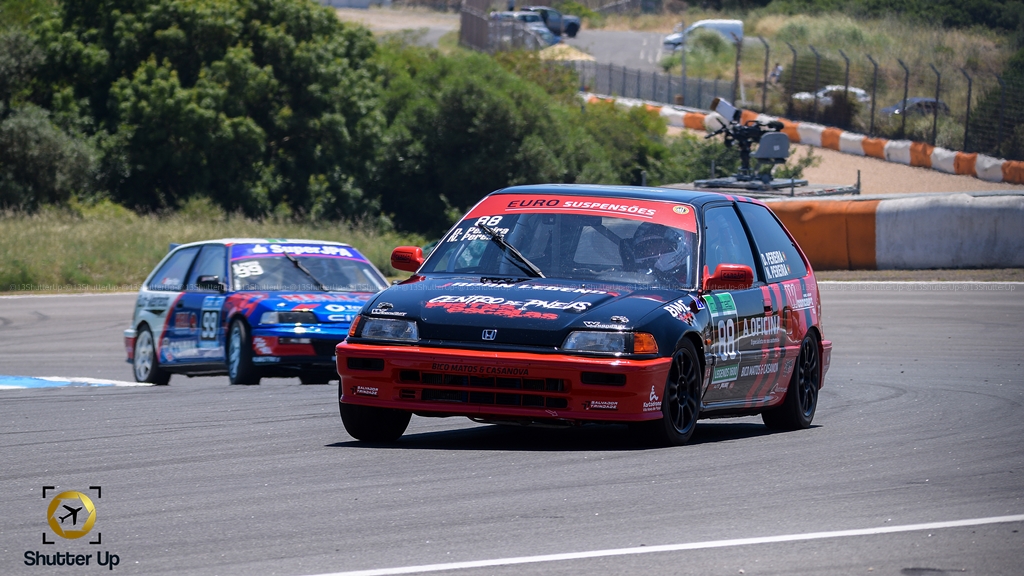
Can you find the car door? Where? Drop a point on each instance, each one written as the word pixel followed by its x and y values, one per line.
pixel 726 242
pixel 197 315
pixel 788 302
pixel 160 298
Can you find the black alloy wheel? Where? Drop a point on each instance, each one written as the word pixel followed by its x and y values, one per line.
pixel 797 410
pixel 680 404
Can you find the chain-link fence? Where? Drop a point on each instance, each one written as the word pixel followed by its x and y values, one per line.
pixel 652 86
pixel 880 96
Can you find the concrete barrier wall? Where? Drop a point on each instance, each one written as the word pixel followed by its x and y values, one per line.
pixel 908 233
pixel 905 152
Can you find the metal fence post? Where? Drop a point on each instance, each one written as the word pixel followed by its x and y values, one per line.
pixel 764 87
pixel 817 80
pixel 906 89
pixel 846 86
pixel 874 90
pixel 623 82
pixel 935 116
pixel 1002 107
pixel 736 76
pixel 792 81
pixel 967 119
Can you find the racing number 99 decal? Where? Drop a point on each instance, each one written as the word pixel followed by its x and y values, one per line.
pixel 210 321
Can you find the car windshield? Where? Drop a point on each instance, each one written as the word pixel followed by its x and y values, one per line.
pixel 278 273
pixel 589 246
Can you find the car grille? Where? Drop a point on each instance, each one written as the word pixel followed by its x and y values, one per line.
pixel 324 347
pixel 496 398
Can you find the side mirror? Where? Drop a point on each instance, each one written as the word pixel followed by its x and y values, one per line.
pixel 408 258
pixel 729 277
pixel 211 283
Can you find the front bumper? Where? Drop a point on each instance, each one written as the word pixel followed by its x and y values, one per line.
pixel 502 386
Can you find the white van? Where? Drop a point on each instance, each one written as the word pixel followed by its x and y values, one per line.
pixel 727 28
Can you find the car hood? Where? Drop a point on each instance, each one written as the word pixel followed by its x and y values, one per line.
pixel 329 307
pixel 534 313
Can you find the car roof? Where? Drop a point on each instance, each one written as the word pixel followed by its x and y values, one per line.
pixel 232 241
pixel 696 198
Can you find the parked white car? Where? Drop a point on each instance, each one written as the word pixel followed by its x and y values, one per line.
pixel 731 30
pixel 826 94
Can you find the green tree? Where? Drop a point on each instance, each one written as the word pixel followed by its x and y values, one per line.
pixel 254 103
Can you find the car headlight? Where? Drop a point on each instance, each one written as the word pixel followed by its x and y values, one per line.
pixel 600 342
pixel 388 329
pixel 611 342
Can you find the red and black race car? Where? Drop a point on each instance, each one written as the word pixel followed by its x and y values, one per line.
pixel 573 304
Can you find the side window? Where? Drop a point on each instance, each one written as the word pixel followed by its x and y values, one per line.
pixel 211 262
pixel 171 276
pixel 725 240
pixel 779 256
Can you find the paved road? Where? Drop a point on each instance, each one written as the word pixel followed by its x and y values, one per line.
pixel 920 422
pixel 636 50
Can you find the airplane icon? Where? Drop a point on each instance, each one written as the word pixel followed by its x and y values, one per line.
pixel 72 513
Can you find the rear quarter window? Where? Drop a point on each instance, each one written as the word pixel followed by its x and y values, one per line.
pixel 776 252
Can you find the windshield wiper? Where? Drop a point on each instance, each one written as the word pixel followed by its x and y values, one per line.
pixel 516 256
pixel 316 281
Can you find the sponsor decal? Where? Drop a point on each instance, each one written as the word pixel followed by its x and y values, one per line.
pixel 725 374
pixel 157 302
pixel 760 326
pixel 265 359
pixel 680 310
pixel 179 349
pixel 667 213
pixel 322 297
pixel 504 311
pixel 185 322
pixel 71 515
pixel 485 370
pixel 774 263
pixel 653 403
pixel 243 250
pixel 364 391
pixel 523 304
pixel 381 312
pixel 759 370
pixel 527 286
pixel 263 345
pixel 596 324
pixel 796 299
pixel 600 405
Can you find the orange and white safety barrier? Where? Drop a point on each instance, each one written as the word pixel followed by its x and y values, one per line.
pixel 906 152
pixel 911 232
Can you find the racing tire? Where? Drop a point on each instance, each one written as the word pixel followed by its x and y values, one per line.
pixel 240 366
pixel 797 410
pixel 146 360
pixel 680 404
pixel 370 424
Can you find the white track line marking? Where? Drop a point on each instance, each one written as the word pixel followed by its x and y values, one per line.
pixel 679 547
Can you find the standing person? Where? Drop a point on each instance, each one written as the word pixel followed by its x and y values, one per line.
pixel 511 5
pixel 776 74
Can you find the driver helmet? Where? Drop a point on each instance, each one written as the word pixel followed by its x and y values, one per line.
pixel 658 247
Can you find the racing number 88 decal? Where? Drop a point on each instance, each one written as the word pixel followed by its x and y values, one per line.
pixel 209 327
pixel 725 344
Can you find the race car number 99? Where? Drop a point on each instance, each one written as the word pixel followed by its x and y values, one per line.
pixel 247 269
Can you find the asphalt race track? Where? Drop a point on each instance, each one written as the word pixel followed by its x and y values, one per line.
pixel 914 466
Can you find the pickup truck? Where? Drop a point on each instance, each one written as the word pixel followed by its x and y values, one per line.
pixel 557 22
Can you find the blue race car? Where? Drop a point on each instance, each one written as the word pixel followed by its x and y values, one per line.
pixel 248 308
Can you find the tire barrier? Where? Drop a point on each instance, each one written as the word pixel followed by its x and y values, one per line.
pixel 906 152
pixel 912 232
